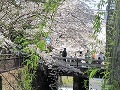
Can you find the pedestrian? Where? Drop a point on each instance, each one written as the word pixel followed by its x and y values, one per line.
pixel 60 53
pixel 64 54
pixel 87 56
pixel 80 53
pixel 93 56
pixel 101 57
pixel 75 56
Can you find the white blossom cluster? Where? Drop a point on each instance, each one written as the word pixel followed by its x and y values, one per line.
pixel 73 26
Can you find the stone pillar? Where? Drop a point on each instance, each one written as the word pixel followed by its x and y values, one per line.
pixel 79 83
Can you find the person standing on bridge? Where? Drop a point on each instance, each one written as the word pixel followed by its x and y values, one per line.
pixel 93 56
pixel 87 56
pixel 64 54
pixel 101 57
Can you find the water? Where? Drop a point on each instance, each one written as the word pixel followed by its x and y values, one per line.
pixel 94 84
pixel 65 88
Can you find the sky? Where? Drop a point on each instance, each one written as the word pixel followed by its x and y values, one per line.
pixel 93 4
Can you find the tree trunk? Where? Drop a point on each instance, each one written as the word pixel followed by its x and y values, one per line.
pixel 113 40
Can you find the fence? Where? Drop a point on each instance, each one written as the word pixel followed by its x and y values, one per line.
pixel 10 62
pixel 77 62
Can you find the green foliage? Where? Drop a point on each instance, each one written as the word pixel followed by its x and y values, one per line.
pixel 101 4
pixel 110 78
pixel 85 84
pixel 107 86
pixel 92 72
pixel 41 45
pixel 39 41
pixel 97 24
pixel 51 5
pixel 16 21
pixel 21 42
pixel 29 70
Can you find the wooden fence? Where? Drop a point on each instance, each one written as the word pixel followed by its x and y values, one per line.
pixel 10 62
pixel 78 62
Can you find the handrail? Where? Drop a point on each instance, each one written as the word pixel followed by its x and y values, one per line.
pixel 77 62
pixel 75 58
pixel 10 61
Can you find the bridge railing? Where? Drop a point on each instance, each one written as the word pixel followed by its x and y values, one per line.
pixel 81 62
pixel 10 61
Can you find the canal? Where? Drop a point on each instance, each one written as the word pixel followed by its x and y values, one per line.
pixel 66 83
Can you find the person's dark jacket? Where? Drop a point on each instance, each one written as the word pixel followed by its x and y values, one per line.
pixel 64 53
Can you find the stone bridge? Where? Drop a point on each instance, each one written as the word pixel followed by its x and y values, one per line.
pixel 50 68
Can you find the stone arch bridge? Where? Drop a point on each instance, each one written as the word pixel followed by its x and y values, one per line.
pixel 50 68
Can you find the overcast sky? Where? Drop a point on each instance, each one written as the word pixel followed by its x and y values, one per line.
pixel 93 4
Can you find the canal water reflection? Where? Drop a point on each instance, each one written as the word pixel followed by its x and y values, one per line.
pixel 65 83
pixel 65 88
pixel 94 84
